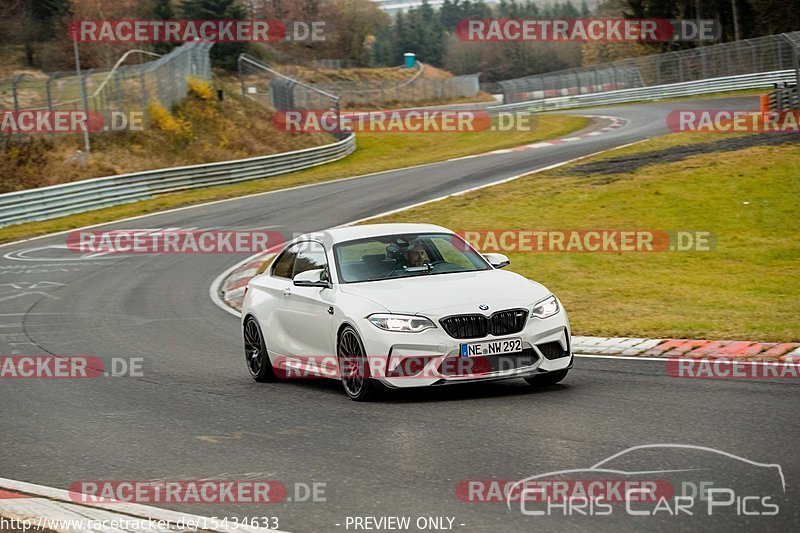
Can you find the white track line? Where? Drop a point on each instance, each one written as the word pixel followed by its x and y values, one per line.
pixel 205 204
pixel 485 185
pixel 626 357
pixel 58 494
pixel 254 195
pixel 671 358
pixel 214 289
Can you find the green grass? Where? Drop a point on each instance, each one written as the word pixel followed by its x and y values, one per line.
pixel 746 288
pixel 376 152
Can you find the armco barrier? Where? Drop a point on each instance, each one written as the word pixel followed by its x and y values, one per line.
pixel 86 195
pixel 674 90
pixel 60 200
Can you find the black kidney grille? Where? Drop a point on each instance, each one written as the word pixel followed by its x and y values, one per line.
pixel 466 326
pixel 477 326
pixel 507 322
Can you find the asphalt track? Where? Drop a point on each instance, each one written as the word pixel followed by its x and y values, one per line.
pixel 196 414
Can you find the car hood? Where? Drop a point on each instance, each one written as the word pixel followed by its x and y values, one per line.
pixel 439 295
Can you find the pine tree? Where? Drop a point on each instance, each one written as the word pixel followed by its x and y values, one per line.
pixel 162 10
pixel 224 55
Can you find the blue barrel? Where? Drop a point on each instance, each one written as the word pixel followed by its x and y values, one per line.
pixel 410 59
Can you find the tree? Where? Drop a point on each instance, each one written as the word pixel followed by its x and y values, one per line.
pixel 162 10
pixel 775 16
pixel 224 55
pixel 32 22
pixel 355 23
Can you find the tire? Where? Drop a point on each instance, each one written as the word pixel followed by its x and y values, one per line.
pixel 354 367
pixel 547 379
pixel 255 352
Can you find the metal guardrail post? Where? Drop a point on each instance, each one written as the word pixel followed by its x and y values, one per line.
pixel 241 73
pixel 15 92
pixel 795 47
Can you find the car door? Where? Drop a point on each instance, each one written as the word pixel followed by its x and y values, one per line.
pixel 270 308
pixel 305 311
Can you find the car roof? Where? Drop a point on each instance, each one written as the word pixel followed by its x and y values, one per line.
pixel 348 233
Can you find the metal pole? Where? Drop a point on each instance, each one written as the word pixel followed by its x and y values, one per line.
pixel 16 103
pixel 241 74
pixel 796 61
pixel 86 145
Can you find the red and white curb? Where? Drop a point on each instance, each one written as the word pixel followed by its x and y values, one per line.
pixel 227 291
pixel 615 123
pixel 26 506
pixel 229 287
pixel 686 348
pixel 232 293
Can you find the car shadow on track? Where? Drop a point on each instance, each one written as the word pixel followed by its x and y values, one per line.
pixel 443 393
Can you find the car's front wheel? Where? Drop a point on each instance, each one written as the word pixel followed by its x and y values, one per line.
pixel 255 352
pixel 547 379
pixel 354 367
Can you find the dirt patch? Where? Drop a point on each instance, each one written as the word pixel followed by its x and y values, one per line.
pixel 633 162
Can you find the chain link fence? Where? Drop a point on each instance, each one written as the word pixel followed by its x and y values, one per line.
pixel 124 88
pixel 282 92
pixel 418 89
pixel 763 54
pixel 279 91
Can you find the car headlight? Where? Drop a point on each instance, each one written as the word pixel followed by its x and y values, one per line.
pixel 546 308
pixel 402 323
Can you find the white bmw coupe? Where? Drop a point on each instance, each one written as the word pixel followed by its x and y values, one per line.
pixel 400 305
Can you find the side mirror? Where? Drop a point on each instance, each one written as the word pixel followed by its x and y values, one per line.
pixel 497 260
pixel 317 277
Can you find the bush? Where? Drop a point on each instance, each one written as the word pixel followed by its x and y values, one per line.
pixel 200 88
pixel 163 120
pixel 22 163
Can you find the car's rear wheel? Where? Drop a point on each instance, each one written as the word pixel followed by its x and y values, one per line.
pixel 255 352
pixel 354 367
pixel 547 379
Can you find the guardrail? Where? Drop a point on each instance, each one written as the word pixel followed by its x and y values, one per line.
pixel 87 195
pixel 784 99
pixel 70 198
pixel 655 92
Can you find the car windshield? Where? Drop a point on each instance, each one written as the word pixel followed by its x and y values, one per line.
pixel 402 256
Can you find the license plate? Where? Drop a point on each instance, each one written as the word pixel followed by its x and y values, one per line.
pixel 498 347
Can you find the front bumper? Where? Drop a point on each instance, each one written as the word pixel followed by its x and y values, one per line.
pixel 432 357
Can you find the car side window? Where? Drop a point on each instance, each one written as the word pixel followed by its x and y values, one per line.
pixel 285 264
pixel 310 255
